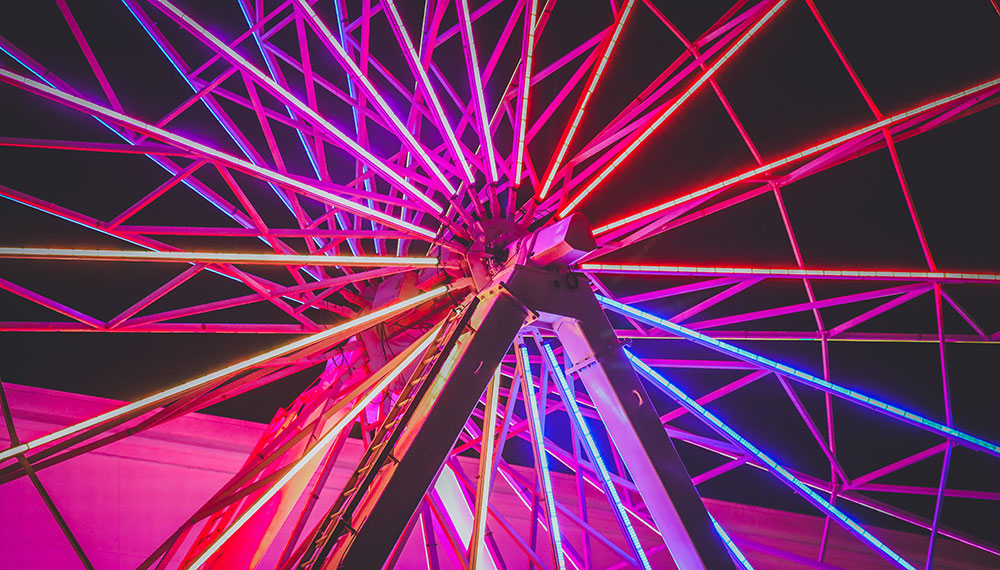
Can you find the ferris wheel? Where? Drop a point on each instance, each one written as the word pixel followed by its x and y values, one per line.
pixel 552 239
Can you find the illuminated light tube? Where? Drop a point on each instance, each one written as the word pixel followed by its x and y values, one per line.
pixel 401 129
pixel 477 85
pixel 320 447
pixel 541 459
pixel 805 378
pixel 734 551
pixel 584 99
pixel 576 416
pixel 812 496
pixel 645 269
pixel 411 52
pixel 886 122
pixel 239 163
pixel 361 322
pixel 531 12
pixel 377 163
pixel 213 257
pixel 624 154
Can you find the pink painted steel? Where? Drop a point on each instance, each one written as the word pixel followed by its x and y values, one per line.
pixel 394 114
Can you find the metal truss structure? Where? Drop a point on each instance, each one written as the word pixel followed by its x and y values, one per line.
pixel 402 188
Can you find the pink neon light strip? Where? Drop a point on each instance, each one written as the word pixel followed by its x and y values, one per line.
pixel 522 107
pixel 401 129
pixel 414 59
pixel 240 164
pixel 320 447
pixel 632 269
pixel 352 326
pixel 213 257
pixel 624 154
pixel 888 121
pixel 584 99
pixel 287 97
pixel 477 86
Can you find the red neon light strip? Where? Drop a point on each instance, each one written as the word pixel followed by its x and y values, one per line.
pixel 670 110
pixel 581 105
pixel 888 121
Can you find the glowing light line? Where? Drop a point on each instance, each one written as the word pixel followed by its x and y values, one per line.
pixel 647 269
pixel 595 456
pixel 734 550
pixel 627 151
pixel 359 323
pixel 581 105
pixel 478 549
pixel 886 122
pixel 804 377
pixel 531 14
pixel 541 459
pixel 236 162
pixel 774 467
pixel 320 447
pixel 425 82
pixel 213 257
pixel 287 97
pixel 477 87
pixel 345 60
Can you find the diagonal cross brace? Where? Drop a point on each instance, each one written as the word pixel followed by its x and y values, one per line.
pixel 563 301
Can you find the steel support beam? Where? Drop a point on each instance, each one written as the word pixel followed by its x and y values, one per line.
pixel 565 300
pixel 430 433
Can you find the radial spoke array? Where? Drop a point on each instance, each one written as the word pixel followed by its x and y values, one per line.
pixel 373 176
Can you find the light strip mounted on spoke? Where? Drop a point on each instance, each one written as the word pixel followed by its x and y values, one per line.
pixel 239 163
pixel 734 550
pixel 778 368
pixel 576 416
pixel 624 154
pixel 686 270
pixel 541 458
pixel 812 496
pixel 165 396
pixel 826 145
pixel 215 257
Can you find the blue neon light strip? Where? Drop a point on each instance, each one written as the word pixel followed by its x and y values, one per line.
pixel 812 496
pixel 612 493
pixel 805 377
pixel 531 403
pixel 734 550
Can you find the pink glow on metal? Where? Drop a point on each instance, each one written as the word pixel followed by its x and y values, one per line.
pixel 530 17
pixel 413 59
pixel 330 40
pixel 581 105
pixel 465 22
pixel 287 97
pixel 313 453
pixel 205 150
pixel 214 257
pixel 165 396
pixel 865 274
pixel 670 110
pixel 888 121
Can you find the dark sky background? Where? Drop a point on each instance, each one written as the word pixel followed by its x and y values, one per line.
pixel 787 87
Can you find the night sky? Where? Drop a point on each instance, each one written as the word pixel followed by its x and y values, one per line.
pixel 787 87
